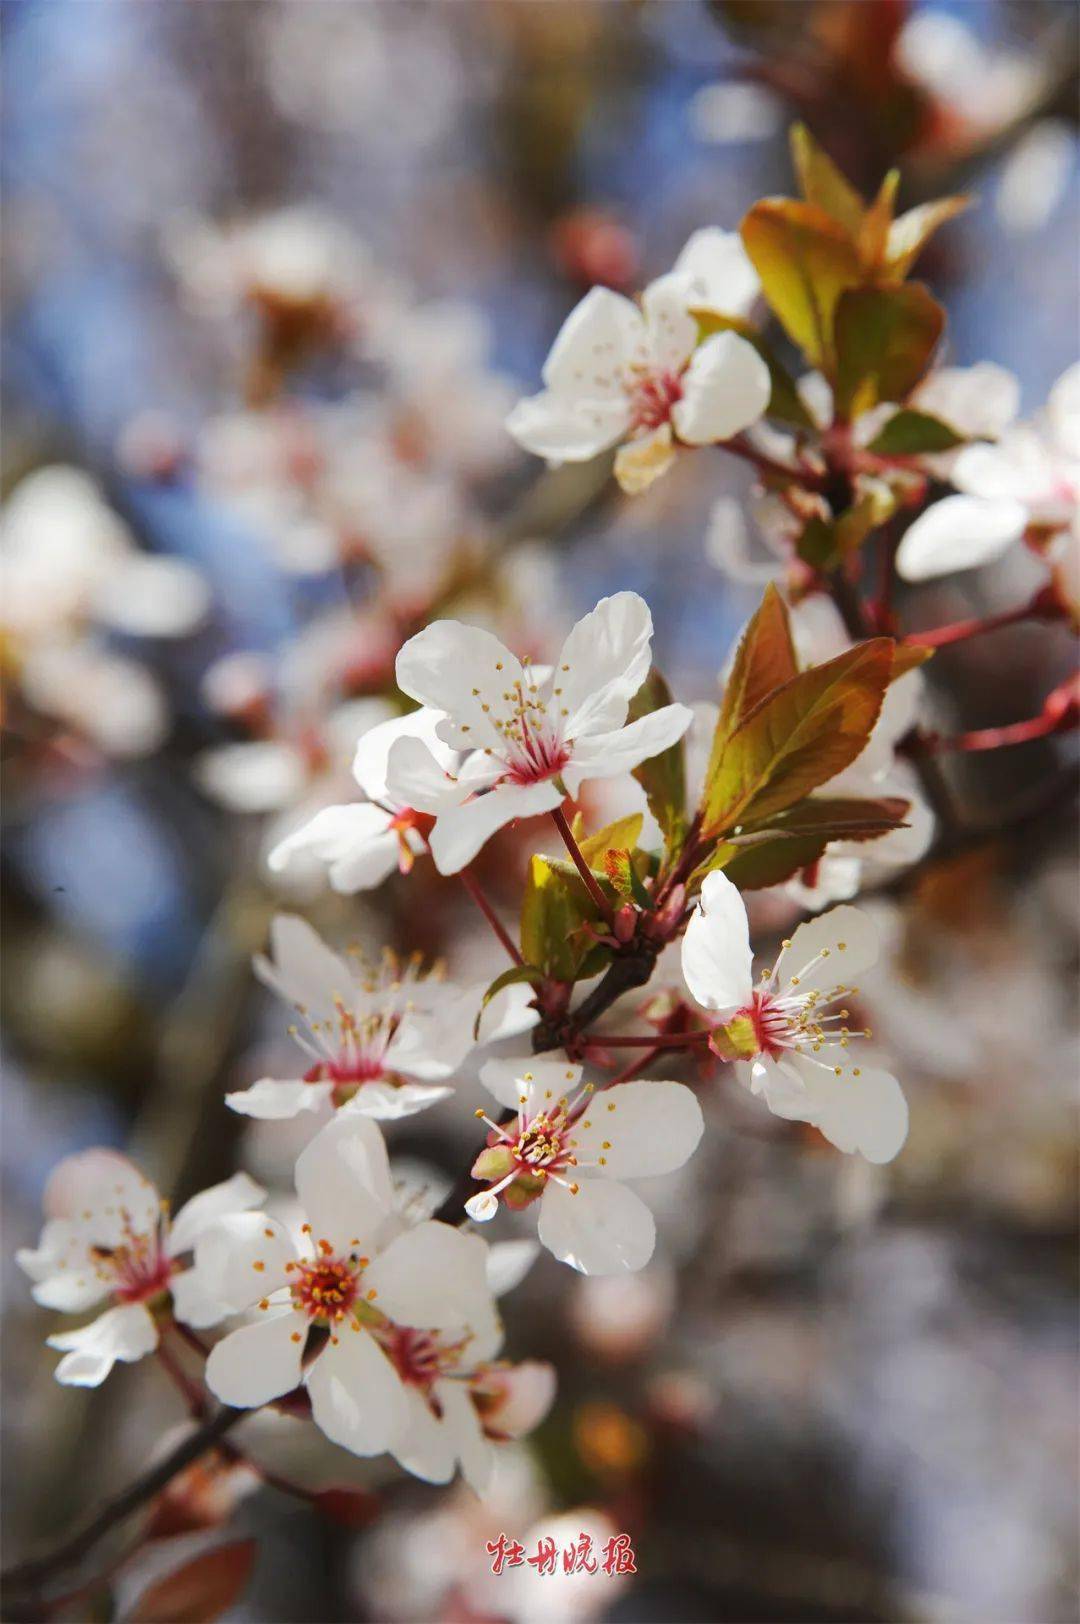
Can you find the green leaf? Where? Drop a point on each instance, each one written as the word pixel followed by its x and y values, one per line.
pixel 770 861
pixel 884 340
pixel 553 909
pixel 822 183
pixel 509 978
pixel 623 832
pixel 816 545
pixel 799 737
pixel 805 260
pixel 764 661
pixel 785 402
pixel 909 433
pixel 662 777
pixel 909 235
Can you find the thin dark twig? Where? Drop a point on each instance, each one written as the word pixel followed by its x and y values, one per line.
pixel 592 884
pixel 475 890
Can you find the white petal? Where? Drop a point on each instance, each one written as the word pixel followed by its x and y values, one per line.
pixel 641 461
pixel 373 751
pixel 259 1362
pixel 717 960
pixel 605 755
pixel 608 653
pixel 959 533
pixel 355 842
pixel 978 400
pixel 604 1229
pixel 719 270
pixel 102 1192
pixel 1063 412
pixel 343 1181
pixel 432 1276
pixel 476 1454
pixel 563 428
pixel 585 362
pixel 443 664
pixel 533 1076
pixel 825 952
pixel 639 1129
pixel 357 1398
pixel 65 1273
pixel 242 1258
pixel 672 330
pixel 237 1194
pixel 258 777
pixel 193 1301
pixel 780 1084
pixel 416 777
pixel 390 1102
pixel 304 970
pixel 508 1262
pixel 866 1112
pixel 272 1101
pixel 426 1447
pixel 726 387
pixel 125 1333
pixel 461 832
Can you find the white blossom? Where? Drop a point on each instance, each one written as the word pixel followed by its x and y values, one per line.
pixel 533 735
pixel 795 1048
pixel 619 372
pixel 571 1149
pixel 108 1236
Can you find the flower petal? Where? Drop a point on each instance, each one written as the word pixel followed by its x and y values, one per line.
pixel 390 1102
pixel 605 755
pixel 416 777
pixel 472 1449
pixel 426 1447
pixel 238 1194
pixel 604 1229
pixel 959 533
pixel 508 1262
pixel 343 1182
pixel 672 330
pixel 719 271
pixel 639 1129
pixel 65 1274
pixel 461 832
pixel 455 669
pixel 258 1362
pixel 525 1392
pixel 272 1101
pixel 357 1398
pixel 533 1076
pixel 717 960
pixel 433 1276
pixel 303 969
pixel 642 461
pixel 726 387
pixel 829 950
pixel 601 331
pixel 355 842
pixel 603 663
pixel 242 1258
pixel 562 428
pixel 102 1193
pixel 862 1109
pixel 373 751
pixel 125 1333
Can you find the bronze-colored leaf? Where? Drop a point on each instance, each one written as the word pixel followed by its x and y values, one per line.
pixel 884 340
pixel 805 260
pixel 199 1591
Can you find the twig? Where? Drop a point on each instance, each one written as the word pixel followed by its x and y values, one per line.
pixel 592 884
pixel 475 890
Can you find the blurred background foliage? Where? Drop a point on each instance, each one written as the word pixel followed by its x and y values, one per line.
pixel 839 1392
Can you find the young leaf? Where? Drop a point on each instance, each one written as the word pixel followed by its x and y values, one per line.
pixel 662 777
pixel 909 433
pixel 198 1591
pixel 842 817
pixel 799 737
pixel 623 832
pixel 764 661
pixel 822 183
pixel 785 402
pixel 884 340
pixel 554 908
pixel 816 545
pixel 874 233
pixel 909 235
pixel 770 861
pixel 805 260
pixel 907 656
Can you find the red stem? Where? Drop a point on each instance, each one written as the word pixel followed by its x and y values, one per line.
pixel 959 631
pixel 592 884
pixel 768 465
pixel 474 889
pixel 672 1040
pixel 988 738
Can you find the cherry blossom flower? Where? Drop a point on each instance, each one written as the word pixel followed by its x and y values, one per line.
pixel 380 1039
pixel 108 1234
pixel 386 1325
pixel 363 842
pixel 534 735
pixel 571 1149
pixel 1029 480
pixel 617 372
pixel 787 1047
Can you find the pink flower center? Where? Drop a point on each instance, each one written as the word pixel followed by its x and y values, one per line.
pixel 541 1144
pixel 420 1357
pixel 772 1025
pixel 138 1268
pixel 326 1289
pixel 652 397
